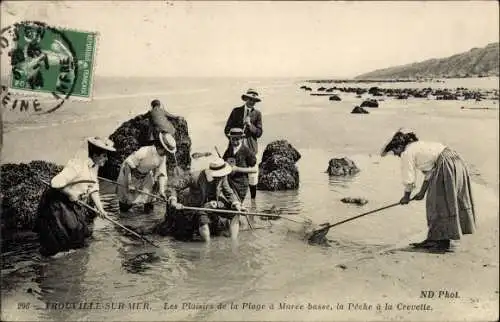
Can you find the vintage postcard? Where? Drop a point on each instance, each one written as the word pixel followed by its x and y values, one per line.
pixel 249 161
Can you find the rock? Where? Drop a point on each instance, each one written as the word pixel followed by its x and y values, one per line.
pixel 133 134
pixel 369 103
pixel 281 147
pixel 278 171
pixel 359 110
pixel 357 201
pixel 335 98
pixel 321 89
pixel 21 193
pixel 375 91
pixel 342 167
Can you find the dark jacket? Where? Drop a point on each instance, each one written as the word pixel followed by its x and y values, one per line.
pixel 202 191
pixel 252 131
pixel 243 158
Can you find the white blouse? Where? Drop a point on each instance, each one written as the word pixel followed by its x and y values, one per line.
pixel 147 159
pixel 419 155
pixel 74 171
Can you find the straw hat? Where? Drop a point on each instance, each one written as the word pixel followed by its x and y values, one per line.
pixel 251 94
pixel 218 168
pixel 168 142
pixel 236 132
pixel 103 143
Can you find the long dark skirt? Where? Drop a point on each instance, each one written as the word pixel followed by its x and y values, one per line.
pixel 61 224
pixel 449 203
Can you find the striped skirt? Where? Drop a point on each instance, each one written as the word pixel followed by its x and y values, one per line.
pixel 449 203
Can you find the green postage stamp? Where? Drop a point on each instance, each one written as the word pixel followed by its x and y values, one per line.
pixel 51 60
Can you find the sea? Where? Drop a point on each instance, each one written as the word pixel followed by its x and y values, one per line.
pixel 194 281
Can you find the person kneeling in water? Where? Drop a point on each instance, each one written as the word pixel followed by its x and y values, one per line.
pixel 209 188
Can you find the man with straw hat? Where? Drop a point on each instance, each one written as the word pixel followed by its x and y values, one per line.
pixel 62 224
pixel 144 170
pixel 249 119
pixel 208 188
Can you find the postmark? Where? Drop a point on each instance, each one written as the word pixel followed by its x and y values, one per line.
pixel 48 65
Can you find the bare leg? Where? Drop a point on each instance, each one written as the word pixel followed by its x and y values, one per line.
pixel 205 232
pixel 234 227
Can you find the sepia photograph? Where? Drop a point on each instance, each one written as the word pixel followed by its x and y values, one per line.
pixel 249 160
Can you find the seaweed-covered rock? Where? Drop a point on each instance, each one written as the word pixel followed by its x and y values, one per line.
pixel 21 193
pixel 134 133
pixel 335 98
pixel 278 171
pixel 369 103
pixel 342 167
pixel 356 200
pixel 279 180
pixel 283 148
pixel 359 110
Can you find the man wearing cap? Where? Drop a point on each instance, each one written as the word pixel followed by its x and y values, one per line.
pixel 142 170
pixel 249 119
pixel 242 160
pixel 208 188
pixel 62 224
pixel 159 120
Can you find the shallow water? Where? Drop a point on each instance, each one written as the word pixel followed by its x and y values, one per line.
pixel 117 269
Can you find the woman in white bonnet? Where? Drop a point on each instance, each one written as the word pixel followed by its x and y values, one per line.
pixel 449 203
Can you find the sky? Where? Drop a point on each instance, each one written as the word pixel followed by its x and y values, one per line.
pixel 266 39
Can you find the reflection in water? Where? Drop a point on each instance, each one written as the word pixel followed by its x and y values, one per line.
pixel 60 284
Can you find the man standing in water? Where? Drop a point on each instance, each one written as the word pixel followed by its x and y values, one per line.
pixel 250 120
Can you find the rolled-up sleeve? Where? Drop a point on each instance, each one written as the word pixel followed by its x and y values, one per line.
pixel 408 171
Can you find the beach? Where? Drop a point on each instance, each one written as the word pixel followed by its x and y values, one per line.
pixel 369 263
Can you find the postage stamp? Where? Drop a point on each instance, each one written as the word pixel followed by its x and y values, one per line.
pixel 52 60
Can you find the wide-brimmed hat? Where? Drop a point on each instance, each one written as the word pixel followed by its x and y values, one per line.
pixel 236 132
pixel 398 138
pixel 168 142
pixel 102 143
pixel 251 94
pixel 219 168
